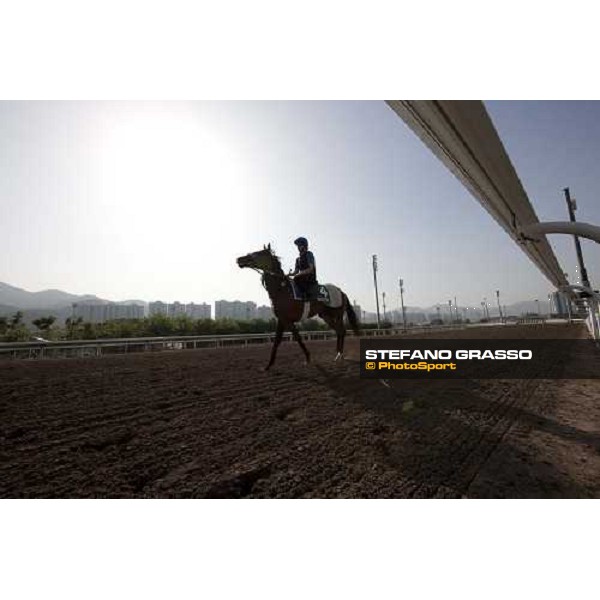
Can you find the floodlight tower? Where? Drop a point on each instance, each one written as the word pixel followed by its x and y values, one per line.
pixel 572 206
pixel 375 269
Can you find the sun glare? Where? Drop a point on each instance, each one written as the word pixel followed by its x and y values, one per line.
pixel 161 167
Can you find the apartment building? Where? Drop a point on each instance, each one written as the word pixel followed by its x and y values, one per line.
pixel 198 311
pixel 99 313
pixel 240 311
pixel 192 310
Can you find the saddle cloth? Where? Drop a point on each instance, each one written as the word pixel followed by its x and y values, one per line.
pixel 329 294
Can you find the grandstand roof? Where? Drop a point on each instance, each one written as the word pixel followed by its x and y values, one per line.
pixel 462 135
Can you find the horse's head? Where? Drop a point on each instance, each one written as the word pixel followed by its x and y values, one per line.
pixel 263 260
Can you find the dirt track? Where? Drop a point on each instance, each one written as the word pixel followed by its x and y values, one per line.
pixel 210 423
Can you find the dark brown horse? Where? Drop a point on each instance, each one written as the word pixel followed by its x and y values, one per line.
pixel 288 310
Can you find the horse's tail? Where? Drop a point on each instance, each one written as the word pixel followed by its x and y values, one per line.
pixel 352 318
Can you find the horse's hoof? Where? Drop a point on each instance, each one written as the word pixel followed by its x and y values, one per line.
pixel 338 356
pixel 265 369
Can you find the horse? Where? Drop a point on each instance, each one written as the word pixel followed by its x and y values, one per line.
pixel 289 310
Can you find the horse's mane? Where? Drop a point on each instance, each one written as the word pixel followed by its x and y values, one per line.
pixel 276 267
pixel 277 259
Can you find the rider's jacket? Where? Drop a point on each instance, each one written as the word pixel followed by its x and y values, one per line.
pixel 303 262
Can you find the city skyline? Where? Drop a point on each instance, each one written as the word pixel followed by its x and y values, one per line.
pixel 243 309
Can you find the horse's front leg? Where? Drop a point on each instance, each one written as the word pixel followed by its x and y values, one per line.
pixel 296 336
pixel 278 336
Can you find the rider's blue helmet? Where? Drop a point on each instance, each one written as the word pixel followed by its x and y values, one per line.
pixel 301 241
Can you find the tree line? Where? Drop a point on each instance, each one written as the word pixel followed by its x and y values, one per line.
pixel 13 329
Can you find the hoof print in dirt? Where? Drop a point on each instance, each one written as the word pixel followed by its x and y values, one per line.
pixel 285 413
pixel 15 434
pixel 237 486
pixel 102 442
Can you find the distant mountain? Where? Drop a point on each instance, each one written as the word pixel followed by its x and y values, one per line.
pixel 34 305
pixel 47 299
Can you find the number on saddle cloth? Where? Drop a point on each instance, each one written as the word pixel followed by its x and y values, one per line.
pixel 330 295
pixel 323 294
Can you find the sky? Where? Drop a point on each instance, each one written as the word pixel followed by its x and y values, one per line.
pixel 156 200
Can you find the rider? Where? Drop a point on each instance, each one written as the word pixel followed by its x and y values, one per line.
pixel 305 273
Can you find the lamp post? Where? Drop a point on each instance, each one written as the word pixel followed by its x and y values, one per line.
pixel 499 307
pixel 375 268
pixel 384 314
pixel 487 312
pixel 401 284
pixel 450 308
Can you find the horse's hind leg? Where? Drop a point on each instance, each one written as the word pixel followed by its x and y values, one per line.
pixel 340 330
pixel 340 352
pixel 342 338
pixel 338 327
pixel 296 336
pixel 278 336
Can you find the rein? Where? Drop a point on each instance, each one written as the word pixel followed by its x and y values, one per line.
pixel 272 273
pixel 280 275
